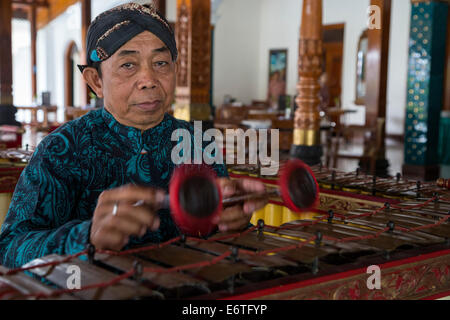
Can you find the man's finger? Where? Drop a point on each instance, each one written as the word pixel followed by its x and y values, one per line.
pixel 125 225
pixel 109 240
pixel 132 194
pixel 230 214
pixel 143 215
pixel 234 226
pixel 250 185
pixel 227 186
pixel 254 205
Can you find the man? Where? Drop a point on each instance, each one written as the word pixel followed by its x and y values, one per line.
pixel 85 179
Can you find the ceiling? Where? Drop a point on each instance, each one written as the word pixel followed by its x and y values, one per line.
pixel 47 10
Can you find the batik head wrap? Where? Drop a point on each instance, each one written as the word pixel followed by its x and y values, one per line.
pixel 115 27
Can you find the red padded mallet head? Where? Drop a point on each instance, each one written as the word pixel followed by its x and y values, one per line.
pixel 195 199
pixel 298 186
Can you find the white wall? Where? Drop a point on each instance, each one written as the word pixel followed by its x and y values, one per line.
pixel 245 31
pixel 276 23
pixel 21 55
pixel 279 28
pixel 171 10
pixel 398 66
pixel 236 50
pixel 52 43
pixel 354 14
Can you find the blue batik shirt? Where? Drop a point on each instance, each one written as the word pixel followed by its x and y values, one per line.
pixel 56 195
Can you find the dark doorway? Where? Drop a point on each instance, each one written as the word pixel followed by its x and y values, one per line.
pixel 333 45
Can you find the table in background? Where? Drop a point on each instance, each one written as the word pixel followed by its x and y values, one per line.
pixel 34 109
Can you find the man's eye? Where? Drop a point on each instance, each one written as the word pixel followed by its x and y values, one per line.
pixel 161 63
pixel 127 65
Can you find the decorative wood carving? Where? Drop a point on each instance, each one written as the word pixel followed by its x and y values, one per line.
pixel 193 33
pixel 32 14
pixel 68 74
pixel 201 52
pixel 414 281
pixel 85 23
pixel 5 52
pixel 183 29
pixel 160 5
pixel 307 119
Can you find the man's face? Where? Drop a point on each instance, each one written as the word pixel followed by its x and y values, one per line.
pixel 138 82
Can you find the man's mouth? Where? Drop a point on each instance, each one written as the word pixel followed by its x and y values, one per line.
pixel 148 105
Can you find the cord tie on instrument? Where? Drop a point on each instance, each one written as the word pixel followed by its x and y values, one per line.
pixel 315 265
pixel 234 253
pixel 333 178
pixel 260 226
pixel 319 237
pixel 391 226
pixel 91 253
pixel 330 216
pixel 419 185
pixel 183 239
pixel 436 197
pixel 138 270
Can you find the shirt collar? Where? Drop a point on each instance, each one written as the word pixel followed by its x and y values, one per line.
pixel 131 135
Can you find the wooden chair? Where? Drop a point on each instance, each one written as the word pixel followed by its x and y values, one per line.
pixel 370 150
pixel 72 113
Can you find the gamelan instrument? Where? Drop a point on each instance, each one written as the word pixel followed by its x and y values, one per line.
pixel 195 198
pixel 443 183
pixel 327 253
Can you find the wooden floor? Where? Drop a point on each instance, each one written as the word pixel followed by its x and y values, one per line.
pixel 394 154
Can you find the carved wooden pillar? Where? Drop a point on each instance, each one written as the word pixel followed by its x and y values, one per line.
pixel 160 5
pixel 377 67
pixel 193 32
pixel 85 23
pixel 7 110
pixel 5 52
pixel 33 27
pixel 307 145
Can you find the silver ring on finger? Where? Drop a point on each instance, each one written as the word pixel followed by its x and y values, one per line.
pixel 115 208
pixel 138 203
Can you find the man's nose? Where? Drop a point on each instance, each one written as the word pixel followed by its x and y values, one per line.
pixel 147 79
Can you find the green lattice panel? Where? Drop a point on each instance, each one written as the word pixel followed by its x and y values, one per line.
pixel 425 81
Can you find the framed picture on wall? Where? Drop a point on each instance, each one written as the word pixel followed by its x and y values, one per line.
pixel 277 75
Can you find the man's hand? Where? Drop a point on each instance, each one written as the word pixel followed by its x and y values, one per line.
pixel 237 217
pixel 112 231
